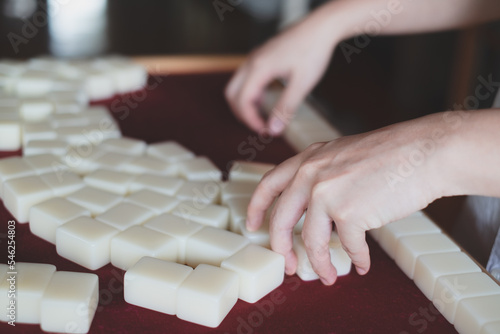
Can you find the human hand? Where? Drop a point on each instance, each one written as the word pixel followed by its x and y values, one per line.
pixel 355 182
pixel 299 56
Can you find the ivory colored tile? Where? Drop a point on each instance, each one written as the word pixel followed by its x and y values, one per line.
pixel 451 289
pixel 169 151
pixel 206 214
pixel 68 120
pixel 167 185
pixel 154 201
pixel 13 167
pixel 390 233
pixel 20 194
pixel 33 83
pixel 237 213
pixel 199 169
pixel 431 266
pixel 199 192
pixel 153 284
pixel 38 131
pixel 95 200
pixel 50 146
pixel 82 159
pixel 35 109
pixel 260 237
pixel 85 241
pixel 475 312
pixel 63 182
pixel 43 163
pixel 260 271
pixel 207 295
pixel 232 189
pixel 112 161
pixel 98 85
pixel 179 228
pixel 212 245
pixel 491 328
pixel 10 131
pixel 409 248
pixel 129 146
pixel 69 302
pixel 112 181
pixel 249 171
pixel 30 281
pixel 150 165
pixel 125 215
pixel 47 216
pixel 131 245
pixel 339 258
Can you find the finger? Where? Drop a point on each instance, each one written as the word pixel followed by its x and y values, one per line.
pixel 271 185
pixel 288 209
pixel 353 239
pixel 250 93
pixel 234 85
pixel 316 233
pixel 285 108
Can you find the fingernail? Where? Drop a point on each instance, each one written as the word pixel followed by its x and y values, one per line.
pixel 324 281
pixel 248 225
pixel 276 126
pixel 361 271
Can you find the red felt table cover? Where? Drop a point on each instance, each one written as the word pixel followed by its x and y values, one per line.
pixel 191 110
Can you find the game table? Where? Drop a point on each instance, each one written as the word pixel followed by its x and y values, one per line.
pixel 184 102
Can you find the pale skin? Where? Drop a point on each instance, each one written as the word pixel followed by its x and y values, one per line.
pixel 356 181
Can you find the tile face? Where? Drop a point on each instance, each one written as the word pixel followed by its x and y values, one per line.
pixel 491 328
pixel 47 216
pixel 85 241
pixel 237 213
pixel 211 245
pixel 249 171
pixel 49 146
pixel 10 132
pixel 131 245
pixel 14 167
pixel 31 281
pixel 63 182
pixel 474 313
pixel 20 194
pixel 69 302
pixel 431 266
pixel 409 248
pixel 237 189
pixel 43 163
pixel 153 284
pixel 112 161
pixel 95 200
pixel 179 228
pixel 390 233
pixel 125 215
pixel 35 109
pixel 124 145
pixel 260 271
pixel 451 289
pixel 199 169
pixel 154 201
pixel 112 181
pixel 167 185
pixel 206 214
pixel 207 295
pixel 37 131
pixel 150 165
pixel 339 258
pixel 169 151
pixel 199 192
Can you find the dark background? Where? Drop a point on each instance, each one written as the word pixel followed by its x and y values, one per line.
pixel 392 79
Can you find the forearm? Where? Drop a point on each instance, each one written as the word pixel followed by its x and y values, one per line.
pixel 348 18
pixel 471 159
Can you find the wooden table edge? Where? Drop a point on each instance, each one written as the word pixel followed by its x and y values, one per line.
pixel 186 64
